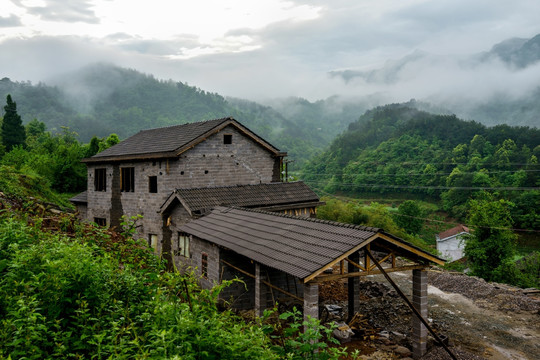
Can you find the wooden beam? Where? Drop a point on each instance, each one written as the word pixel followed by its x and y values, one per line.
pixel 263 281
pixel 345 255
pixel 323 278
pixel 411 306
pixel 415 251
pixel 356 265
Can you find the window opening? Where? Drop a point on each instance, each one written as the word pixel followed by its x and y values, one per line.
pixel 227 139
pixel 100 180
pixel 152 241
pixel 204 265
pixel 127 177
pixel 152 184
pixel 183 245
pixel 100 221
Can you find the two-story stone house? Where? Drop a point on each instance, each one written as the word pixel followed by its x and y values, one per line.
pixel 173 174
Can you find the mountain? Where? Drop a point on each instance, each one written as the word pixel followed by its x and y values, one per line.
pixel 399 149
pixel 101 99
pixel 517 52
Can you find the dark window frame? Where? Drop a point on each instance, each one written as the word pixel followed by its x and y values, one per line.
pixel 127 179
pixel 152 184
pixel 100 221
pixel 227 139
pixel 183 245
pixel 150 244
pixel 204 265
pixel 100 179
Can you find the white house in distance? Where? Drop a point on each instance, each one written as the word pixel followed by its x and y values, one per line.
pixel 451 242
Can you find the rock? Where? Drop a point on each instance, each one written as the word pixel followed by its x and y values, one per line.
pixel 402 350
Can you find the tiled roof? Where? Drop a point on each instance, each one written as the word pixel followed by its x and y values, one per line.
pixel 80 198
pixel 453 231
pixel 260 195
pixel 166 141
pixel 296 245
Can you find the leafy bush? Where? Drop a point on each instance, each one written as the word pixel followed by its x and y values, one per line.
pixel 101 296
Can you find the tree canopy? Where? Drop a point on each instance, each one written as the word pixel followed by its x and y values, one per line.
pixel 13 132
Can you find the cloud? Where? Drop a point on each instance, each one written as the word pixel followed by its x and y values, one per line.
pixel 11 21
pixel 63 11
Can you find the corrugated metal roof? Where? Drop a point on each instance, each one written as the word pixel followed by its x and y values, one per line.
pixel 259 195
pixel 80 198
pixel 298 246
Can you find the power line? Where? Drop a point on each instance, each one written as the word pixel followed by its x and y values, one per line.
pixel 440 221
pixel 504 188
pixel 424 174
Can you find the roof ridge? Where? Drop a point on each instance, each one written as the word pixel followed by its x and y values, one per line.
pixel 239 185
pixel 315 220
pixel 188 123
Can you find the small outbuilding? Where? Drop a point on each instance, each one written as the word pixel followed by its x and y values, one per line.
pixel 451 242
pixel 284 258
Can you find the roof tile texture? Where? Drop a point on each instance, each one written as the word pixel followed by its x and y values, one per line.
pixel 297 246
pixel 158 140
pixel 259 195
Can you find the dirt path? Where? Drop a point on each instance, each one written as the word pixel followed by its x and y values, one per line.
pixel 491 320
pixel 482 320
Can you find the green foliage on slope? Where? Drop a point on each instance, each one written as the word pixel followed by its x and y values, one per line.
pixel 400 149
pixel 102 99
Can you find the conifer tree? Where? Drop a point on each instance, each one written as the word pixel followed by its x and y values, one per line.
pixel 13 132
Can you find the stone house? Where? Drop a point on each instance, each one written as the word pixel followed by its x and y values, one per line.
pixel 173 174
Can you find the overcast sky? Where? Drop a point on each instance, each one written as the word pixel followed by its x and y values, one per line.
pixel 270 48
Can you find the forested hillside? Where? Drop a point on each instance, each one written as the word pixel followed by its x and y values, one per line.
pixel 102 99
pixel 397 148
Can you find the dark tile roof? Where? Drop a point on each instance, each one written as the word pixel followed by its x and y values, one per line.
pixel 167 141
pixel 80 198
pixel 260 195
pixel 296 245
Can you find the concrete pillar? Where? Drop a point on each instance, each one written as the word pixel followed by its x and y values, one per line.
pixel 311 300
pixel 353 285
pixel 420 302
pixel 260 292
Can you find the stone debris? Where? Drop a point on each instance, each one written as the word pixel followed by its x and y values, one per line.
pixel 486 295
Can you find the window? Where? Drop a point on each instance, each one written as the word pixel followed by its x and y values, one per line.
pixel 204 265
pixel 152 184
pixel 100 221
pixel 183 245
pixel 100 180
pixel 227 139
pixel 127 179
pixel 152 241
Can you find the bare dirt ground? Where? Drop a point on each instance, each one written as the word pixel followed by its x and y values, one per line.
pixel 481 320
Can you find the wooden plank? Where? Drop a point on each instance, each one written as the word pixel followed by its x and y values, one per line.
pixel 342 257
pixel 420 253
pixel 356 265
pixel 263 281
pixel 323 278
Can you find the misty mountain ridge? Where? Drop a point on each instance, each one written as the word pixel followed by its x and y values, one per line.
pixel 101 98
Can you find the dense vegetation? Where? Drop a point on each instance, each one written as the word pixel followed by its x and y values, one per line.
pixel 73 290
pixel 400 149
pixel 485 177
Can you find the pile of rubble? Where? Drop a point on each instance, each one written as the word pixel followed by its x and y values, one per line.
pixel 486 295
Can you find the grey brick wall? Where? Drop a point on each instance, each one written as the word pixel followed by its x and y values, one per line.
pixel 210 163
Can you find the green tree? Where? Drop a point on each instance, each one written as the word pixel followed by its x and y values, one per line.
pixel 13 132
pixel 491 245
pixel 409 217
